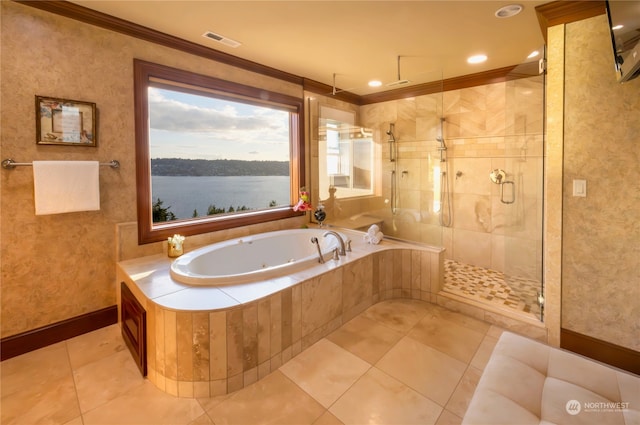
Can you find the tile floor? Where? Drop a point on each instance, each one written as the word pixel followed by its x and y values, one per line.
pixel 399 362
pixel 490 286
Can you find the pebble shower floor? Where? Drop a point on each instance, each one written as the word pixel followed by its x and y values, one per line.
pixel 489 286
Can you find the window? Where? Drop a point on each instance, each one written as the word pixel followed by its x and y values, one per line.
pixel 212 154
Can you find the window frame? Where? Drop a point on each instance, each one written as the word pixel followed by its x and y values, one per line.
pixel 148 74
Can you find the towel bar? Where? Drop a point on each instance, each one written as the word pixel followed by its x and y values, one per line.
pixel 10 164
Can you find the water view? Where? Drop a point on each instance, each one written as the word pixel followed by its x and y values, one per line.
pixel 184 194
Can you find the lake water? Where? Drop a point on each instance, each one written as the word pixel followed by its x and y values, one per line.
pixel 186 193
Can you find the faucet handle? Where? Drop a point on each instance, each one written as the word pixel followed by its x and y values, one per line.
pixel 336 255
pixel 348 245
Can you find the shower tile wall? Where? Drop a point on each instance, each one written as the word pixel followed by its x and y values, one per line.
pixel 486 127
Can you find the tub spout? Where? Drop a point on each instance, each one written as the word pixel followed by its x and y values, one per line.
pixel 314 241
pixel 340 241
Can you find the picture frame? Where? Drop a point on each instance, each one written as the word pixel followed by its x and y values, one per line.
pixel 65 122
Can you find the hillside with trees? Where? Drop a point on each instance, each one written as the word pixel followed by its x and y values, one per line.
pixel 217 167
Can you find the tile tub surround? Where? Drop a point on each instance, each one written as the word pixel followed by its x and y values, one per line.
pixel 208 341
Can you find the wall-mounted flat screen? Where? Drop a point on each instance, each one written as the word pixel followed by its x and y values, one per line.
pixel 624 24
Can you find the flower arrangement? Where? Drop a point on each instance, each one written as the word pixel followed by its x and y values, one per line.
pixel 303 203
pixel 174 244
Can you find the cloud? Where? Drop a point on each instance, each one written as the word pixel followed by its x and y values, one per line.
pixel 189 126
pixel 177 116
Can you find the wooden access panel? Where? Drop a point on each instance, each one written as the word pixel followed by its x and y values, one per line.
pixel 134 327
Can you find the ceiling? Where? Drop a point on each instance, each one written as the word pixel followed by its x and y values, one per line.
pixel 345 44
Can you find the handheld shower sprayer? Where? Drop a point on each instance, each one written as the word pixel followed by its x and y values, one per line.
pixel 392 137
pixel 392 142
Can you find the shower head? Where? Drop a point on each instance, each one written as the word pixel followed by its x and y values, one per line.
pixel 391 136
pixel 400 81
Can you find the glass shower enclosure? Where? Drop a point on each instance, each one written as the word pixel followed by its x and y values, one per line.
pixel 457 168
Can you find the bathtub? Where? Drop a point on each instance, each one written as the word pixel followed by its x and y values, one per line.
pixel 253 258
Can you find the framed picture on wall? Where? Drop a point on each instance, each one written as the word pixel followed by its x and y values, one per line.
pixel 65 122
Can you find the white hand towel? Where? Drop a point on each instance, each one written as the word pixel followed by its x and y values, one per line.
pixel 376 239
pixel 373 230
pixel 373 239
pixel 66 186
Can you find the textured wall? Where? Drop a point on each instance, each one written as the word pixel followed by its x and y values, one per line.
pixel 601 234
pixel 60 266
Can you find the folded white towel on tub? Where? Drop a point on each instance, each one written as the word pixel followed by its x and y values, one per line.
pixel 66 186
pixel 373 239
pixel 373 230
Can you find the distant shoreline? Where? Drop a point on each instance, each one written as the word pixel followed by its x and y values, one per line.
pixel 217 167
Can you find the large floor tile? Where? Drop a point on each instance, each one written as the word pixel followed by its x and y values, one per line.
pixel 436 311
pixel 37 387
pixel 145 405
pixel 75 421
pixel 325 371
pixel 272 400
pixel 378 398
pixel 96 345
pixel 46 364
pixel 430 372
pixel 448 418
pixel 52 401
pixel 203 419
pixel 461 397
pixel 400 315
pixel 365 338
pixel 106 379
pixel 481 358
pixel 328 418
pixel 451 338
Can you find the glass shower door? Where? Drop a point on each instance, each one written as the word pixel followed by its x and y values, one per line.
pixel 518 196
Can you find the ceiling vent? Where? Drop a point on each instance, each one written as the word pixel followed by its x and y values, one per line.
pixel 220 39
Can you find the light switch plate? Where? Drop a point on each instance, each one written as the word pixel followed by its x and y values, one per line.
pixel 579 187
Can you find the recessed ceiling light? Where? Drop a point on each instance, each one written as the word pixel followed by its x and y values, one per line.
pixel 533 54
pixel 508 11
pixel 477 59
pixel 617 27
pixel 375 83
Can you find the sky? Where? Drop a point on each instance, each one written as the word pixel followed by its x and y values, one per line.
pixel 199 127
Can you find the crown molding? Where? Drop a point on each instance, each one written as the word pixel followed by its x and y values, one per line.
pixel 564 12
pixel 552 13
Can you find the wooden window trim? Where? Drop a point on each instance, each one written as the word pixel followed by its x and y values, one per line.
pixel 144 73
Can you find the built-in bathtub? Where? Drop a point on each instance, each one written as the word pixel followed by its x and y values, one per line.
pixel 207 340
pixel 256 257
